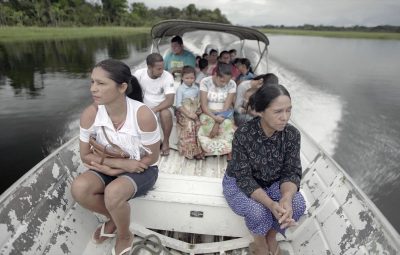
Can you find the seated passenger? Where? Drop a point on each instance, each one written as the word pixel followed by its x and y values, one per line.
pixel 224 57
pixel 212 61
pixel 245 113
pixel 262 180
pixel 257 82
pixel 158 94
pixel 118 116
pixel 188 106
pixel 246 73
pixel 203 66
pixel 217 94
pixel 178 56
pixel 232 53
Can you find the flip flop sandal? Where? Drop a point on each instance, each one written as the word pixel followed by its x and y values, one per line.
pixel 102 234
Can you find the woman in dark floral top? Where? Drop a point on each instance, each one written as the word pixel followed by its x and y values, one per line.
pixel 262 180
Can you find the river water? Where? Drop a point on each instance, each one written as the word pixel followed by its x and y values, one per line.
pixel 345 95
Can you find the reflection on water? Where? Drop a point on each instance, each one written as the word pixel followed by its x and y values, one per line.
pixel 43 88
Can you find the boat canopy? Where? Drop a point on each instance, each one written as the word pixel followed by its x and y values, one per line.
pixel 180 27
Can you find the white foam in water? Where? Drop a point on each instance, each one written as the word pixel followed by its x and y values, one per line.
pixel 316 112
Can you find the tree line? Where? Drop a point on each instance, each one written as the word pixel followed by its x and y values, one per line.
pixel 382 28
pixel 96 13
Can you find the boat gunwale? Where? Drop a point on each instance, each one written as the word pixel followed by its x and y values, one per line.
pixel 371 205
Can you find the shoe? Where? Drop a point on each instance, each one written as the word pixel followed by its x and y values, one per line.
pixel 102 234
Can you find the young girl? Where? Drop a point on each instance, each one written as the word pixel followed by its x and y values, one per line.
pixel 187 104
pixel 246 73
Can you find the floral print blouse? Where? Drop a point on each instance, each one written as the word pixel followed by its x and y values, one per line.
pixel 258 160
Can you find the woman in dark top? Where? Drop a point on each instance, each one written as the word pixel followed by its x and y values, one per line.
pixel 262 180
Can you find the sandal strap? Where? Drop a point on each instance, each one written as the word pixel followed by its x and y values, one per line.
pixel 102 234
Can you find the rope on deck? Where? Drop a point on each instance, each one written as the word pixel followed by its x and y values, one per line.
pixel 144 244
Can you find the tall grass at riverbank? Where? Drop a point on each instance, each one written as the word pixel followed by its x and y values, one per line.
pixel 340 34
pixel 11 34
pixel 8 34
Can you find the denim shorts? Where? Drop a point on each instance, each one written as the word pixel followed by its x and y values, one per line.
pixel 142 182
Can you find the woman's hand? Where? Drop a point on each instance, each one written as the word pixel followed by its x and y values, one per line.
pixel 276 209
pixel 104 169
pixel 133 166
pixel 214 130
pixel 193 116
pixel 219 119
pixel 286 219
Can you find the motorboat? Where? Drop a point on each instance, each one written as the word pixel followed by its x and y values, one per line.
pixel 186 210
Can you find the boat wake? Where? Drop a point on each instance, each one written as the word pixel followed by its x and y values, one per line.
pixel 317 112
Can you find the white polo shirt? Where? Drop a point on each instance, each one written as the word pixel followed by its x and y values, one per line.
pixel 154 90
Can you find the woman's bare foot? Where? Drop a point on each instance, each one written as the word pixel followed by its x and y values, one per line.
pixel 259 246
pixel 165 148
pixel 123 244
pixel 272 243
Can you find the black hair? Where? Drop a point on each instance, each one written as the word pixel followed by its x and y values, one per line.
pixel 246 62
pixel 204 55
pixel 188 69
pixel 232 51
pixel 120 72
pixel 153 58
pixel 270 78
pixel 203 63
pixel 223 53
pixel 223 69
pixel 212 51
pixel 177 39
pixel 236 60
pixel 263 97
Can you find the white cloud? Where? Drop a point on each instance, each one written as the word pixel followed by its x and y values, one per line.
pixel 298 12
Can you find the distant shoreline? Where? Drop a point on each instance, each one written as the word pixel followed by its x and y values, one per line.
pixel 14 34
pixel 338 34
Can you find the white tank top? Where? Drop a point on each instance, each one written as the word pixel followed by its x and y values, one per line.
pixel 129 137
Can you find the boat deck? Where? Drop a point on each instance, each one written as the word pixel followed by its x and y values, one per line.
pixel 188 199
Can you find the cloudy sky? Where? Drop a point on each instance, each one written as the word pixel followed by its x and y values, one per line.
pixel 298 12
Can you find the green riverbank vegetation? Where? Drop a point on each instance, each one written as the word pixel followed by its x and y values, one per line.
pixel 10 34
pixel 25 20
pixel 378 32
pixel 59 13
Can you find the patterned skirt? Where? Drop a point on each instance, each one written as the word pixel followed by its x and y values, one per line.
pixel 221 144
pixel 189 145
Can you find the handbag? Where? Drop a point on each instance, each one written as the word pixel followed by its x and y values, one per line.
pixel 109 150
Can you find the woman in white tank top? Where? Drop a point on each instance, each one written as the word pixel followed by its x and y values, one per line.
pixel 107 185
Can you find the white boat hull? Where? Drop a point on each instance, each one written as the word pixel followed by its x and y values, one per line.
pixel 39 216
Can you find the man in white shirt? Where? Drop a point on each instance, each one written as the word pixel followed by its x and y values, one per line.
pixel 158 94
